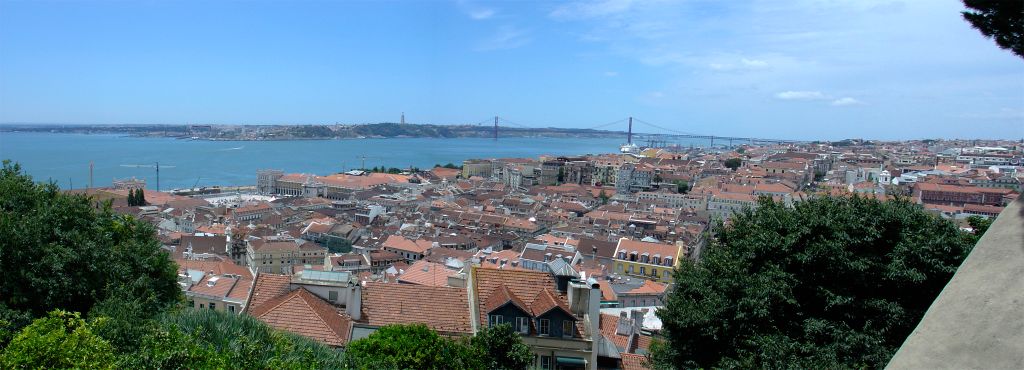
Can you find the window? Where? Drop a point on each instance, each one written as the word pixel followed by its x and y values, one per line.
pixel 654 272
pixel 620 268
pixel 543 326
pixel 201 306
pixel 545 362
pixel 496 320
pixel 664 274
pixel 332 295
pixel 643 270
pixel 567 328
pixel 523 325
pixel 630 269
pixel 231 308
pixel 213 305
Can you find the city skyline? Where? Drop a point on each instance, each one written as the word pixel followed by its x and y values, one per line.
pixel 805 70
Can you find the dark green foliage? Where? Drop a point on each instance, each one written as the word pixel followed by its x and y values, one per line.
pixel 1001 20
pixel 979 224
pixel 741 150
pixel 61 252
pixel 338 245
pixel 828 283
pixel 411 347
pixel 682 187
pixel 502 348
pixel 211 339
pixel 603 196
pixel 140 197
pixel 62 340
pixel 733 163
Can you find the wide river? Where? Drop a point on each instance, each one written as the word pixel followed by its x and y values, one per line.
pixel 65 158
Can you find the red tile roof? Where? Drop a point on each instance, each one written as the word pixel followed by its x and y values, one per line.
pixel 546 301
pixel 303 313
pixel 442 309
pixel 426 273
pixel 268 286
pixel 500 297
pixel 632 361
pixel 526 284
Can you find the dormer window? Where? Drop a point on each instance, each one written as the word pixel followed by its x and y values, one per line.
pixel 567 328
pixel 622 255
pixel 543 327
pixel 495 320
pixel 523 325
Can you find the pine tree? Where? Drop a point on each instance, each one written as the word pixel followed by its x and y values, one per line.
pixel 131 197
pixel 140 197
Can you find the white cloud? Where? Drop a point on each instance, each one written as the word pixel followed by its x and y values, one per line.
pixel 611 74
pixel 753 63
pixel 743 65
pixel 507 37
pixel 481 14
pixel 846 101
pixel 801 95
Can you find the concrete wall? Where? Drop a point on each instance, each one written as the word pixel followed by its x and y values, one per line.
pixel 977 322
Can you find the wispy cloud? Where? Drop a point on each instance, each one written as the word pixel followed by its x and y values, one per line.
pixel 844 101
pixel 591 9
pixel 507 37
pixel 481 14
pixel 801 95
pixel 611 74
pixel 476 11
pixel 743 64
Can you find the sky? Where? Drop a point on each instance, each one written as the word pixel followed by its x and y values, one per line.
pixel 788 69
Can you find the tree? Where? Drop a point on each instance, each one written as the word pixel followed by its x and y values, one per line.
pixel 733 163
pixel 831 282
pixel 603 196
pixel 503 348
pixel 410 347
pixel 69 255
pixel 131 197
pixel 561 175
pixel 1001 20
pixel 682 187
pixel 62 340
pixel 979 224
pixel 338 245
pixel 741 150
pixel 140 197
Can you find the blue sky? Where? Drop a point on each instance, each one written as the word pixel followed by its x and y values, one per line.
pixel 788 69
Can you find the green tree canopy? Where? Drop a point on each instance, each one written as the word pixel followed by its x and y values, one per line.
pixel 1001 20
pixel 733 163
pixel 64 253
pixel 410 347
pixel 502 347
pixel 828 283
pixel 62 340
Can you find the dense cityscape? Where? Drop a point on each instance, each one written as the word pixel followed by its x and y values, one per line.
pixel 577 253
pixel 512 185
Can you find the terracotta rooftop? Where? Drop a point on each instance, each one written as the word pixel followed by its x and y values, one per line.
pixel 652 249
pixel 426 273
pixel 500 297
pixel 267 287
pixel 440 308
pixel 305 314
pixel 525 284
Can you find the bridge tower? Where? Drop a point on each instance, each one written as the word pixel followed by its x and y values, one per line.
pixel 495 127
pixel 629 135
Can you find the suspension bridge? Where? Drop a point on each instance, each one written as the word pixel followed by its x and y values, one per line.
pixel 660 137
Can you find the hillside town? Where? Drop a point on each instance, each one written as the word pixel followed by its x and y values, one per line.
pixel 577 253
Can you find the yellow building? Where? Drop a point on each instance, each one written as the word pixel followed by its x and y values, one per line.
pixel 653 261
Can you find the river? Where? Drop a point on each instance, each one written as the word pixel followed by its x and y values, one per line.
pixel 65 158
